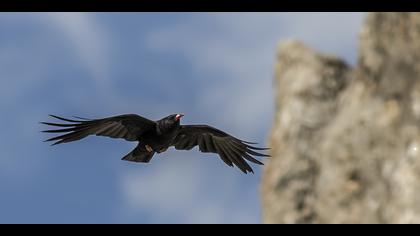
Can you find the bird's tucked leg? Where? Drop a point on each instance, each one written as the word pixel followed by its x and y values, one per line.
pixel 162 150
pixel 148 148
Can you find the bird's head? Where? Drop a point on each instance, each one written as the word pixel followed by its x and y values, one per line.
pixel 170 121
pixel 174 117
pixel 178 117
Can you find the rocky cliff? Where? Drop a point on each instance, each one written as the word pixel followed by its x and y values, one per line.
pixel 346 141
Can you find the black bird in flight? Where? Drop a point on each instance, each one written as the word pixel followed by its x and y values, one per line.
pixel 158 136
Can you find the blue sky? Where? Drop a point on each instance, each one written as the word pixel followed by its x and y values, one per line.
pixel 217 68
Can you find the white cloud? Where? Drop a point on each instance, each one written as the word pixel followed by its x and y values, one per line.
pixel 89 39
pixel 25 63
pixel 169 187
pixel 181 189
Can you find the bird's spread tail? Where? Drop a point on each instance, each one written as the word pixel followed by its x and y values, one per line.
pixel 139 154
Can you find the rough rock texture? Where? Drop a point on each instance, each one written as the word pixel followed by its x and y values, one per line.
pixel 346 141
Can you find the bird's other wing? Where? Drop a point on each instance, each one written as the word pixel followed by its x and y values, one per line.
pixel 230 149
pixel 128 127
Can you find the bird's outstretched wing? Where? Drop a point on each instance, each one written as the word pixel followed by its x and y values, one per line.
pixel 230 149
pixel 128 127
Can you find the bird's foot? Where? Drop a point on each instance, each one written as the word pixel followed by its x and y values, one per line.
pixel 148 148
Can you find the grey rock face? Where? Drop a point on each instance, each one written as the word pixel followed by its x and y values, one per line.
pixel 346 141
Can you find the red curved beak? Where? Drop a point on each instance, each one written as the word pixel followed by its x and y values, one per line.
pixel 179 116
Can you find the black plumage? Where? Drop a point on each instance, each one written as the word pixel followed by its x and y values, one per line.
pixel 158 136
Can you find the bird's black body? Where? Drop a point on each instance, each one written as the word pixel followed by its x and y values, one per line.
pixel 161 137
pixel 158 136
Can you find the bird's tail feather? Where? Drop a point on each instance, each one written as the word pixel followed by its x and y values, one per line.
pixel 139 154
